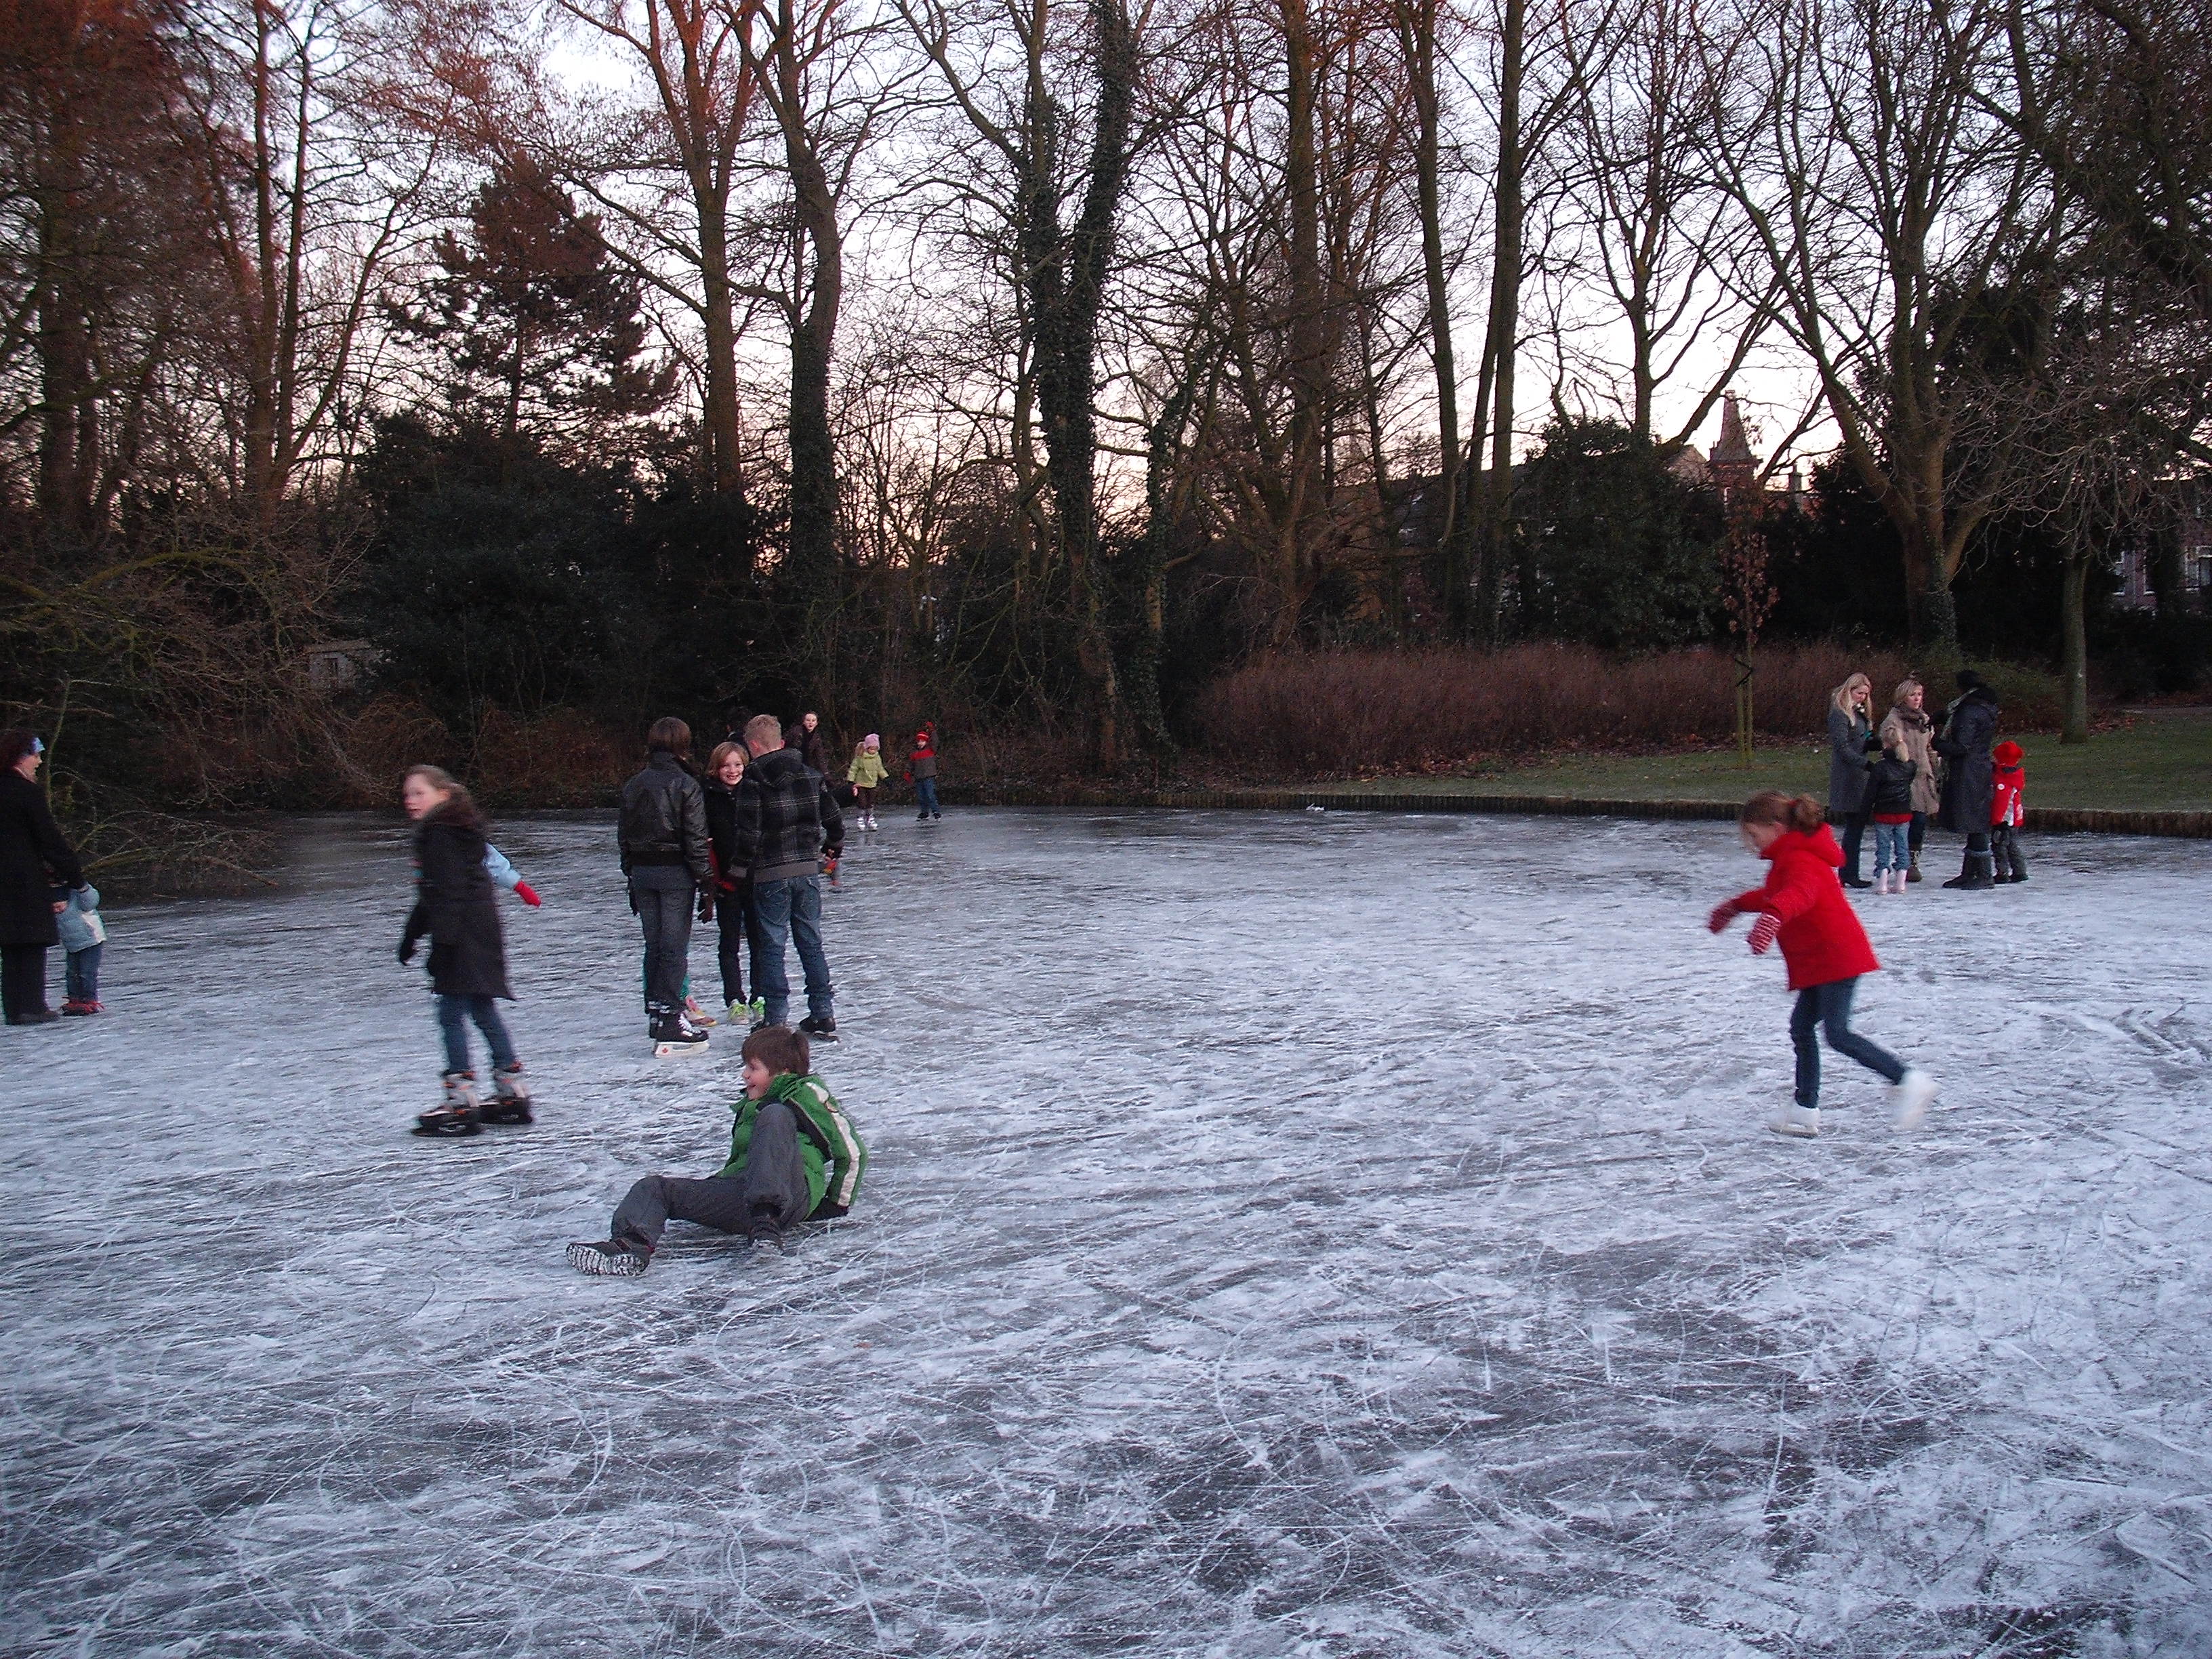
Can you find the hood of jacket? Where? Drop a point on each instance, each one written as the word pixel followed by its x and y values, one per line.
pixel 1816 844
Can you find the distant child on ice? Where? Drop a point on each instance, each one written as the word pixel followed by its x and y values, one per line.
pixel 867 775
pixel 1889 799
pixel 922 773
pixel 793 1157
pixel 455 907
pixel 77 916
pixel 2008 811
pixel 1802 905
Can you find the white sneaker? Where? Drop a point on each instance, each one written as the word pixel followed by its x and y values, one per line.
pixel 1795 1121
pixel 1910 1095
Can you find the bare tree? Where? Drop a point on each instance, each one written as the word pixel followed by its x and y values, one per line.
pixel 1885 201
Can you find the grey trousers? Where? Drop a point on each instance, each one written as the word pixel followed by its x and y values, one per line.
pixel 664 909
pixel 772 1191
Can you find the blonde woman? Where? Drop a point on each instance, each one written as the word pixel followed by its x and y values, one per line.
pixel 1851 723
pixel 1907 726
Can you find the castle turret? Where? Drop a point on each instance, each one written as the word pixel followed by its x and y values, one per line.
pixel 1732 465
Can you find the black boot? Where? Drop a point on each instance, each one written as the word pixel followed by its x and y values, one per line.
pixel 1975 874
pixel 455 1115
pixel 1912 871
pixel 2019 866
pixel 2001 864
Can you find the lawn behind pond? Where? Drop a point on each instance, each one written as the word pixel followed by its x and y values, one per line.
pixel 2159 762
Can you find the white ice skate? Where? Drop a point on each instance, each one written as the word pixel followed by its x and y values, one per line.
pixel 1797 1121
pixel 1908 1096
pixel 510 1097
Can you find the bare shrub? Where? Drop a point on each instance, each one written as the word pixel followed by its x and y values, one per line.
pixel 1350 712
pixel 563 758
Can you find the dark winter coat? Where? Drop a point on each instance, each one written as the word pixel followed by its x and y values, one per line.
pixel 1968 781
pixel 808 746
pixel 457 905
pixel 664 819
pixel 34 860
pixel 1890 787
pixel 1821 936
pixel 787 818
pixel 1847 760
pixel 722 837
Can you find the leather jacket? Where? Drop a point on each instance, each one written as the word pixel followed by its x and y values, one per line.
pixel 664 819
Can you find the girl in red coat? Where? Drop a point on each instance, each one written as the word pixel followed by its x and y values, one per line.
pixel 1802 905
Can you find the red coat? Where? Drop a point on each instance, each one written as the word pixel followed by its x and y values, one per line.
pixel 2007 795
pixel 1821 938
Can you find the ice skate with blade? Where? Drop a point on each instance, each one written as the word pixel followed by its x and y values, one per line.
pixel 510 1097
pixel 457 1113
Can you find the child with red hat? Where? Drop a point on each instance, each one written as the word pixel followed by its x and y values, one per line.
pixel 922 773
pixel 2007 811
pixel 1802 906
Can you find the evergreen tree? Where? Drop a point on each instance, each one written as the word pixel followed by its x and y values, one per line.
pixel 539 329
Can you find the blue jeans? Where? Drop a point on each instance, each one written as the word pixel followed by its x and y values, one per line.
pixel 1828 1009
pixel 453 1015
pixel 81 976
pixel 1891 851
pixel 924 796
pixel 789 909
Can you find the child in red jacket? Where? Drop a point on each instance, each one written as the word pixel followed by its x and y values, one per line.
pixel 1802 905
pixel 2008 809
pixel 922 772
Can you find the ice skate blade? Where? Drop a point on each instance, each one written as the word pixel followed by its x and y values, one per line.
pixel 663 1050
pixel 446 1131
pixel 516 1114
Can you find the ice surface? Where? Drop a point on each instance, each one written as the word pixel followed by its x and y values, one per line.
pixel 1288 1235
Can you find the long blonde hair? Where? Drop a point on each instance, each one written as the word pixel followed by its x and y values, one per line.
pixel 1840 698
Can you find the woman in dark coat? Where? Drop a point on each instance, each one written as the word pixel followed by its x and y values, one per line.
pixel 1849 723
pixel 34 860
pixel 733 884
pixel 1969 778
pixel 455 905
pixel 805 736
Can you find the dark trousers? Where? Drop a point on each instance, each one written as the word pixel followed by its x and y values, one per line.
pixel 1919 834
pixel 2005 845
pixel 863 800
pixel 1827 1009
pixel 924 796
pixel 790 908
pixel 730 922
pixel 664 910
pixel 770 1191
pixel 81 974
pixel 453 1016
pixel 23 979
pixel 1855 825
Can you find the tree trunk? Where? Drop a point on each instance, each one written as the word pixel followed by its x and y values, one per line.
pixel 1504 326
pixel 2076 648
pixel 1309 363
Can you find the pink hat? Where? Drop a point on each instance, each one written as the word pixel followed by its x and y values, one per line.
pixel 873 740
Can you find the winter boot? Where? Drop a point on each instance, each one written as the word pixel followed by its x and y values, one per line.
pixel 1975 874
pixel 607 1260
pixel 2018 873
pixel 1908 1096
pixel 1799 1123
pixel 80 1006
pixel 2001 863
pixel 821 1028
pixel 510 1097
pixel 1912 870
pixel 457 1113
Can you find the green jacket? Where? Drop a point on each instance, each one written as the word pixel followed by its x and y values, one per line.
pixel 827 1145
pixel 867 771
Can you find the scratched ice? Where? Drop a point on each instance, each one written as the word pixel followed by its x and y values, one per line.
pixel 1316 1235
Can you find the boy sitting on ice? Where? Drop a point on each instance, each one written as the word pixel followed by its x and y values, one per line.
pixel 793 1157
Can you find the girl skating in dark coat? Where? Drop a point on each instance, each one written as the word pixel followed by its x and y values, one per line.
pixel 34 860
pixel 1969 778
pixel 455 905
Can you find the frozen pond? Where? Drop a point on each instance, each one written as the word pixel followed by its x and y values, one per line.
pixel 1288 1235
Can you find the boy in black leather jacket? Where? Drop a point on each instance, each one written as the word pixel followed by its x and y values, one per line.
pixel 665 858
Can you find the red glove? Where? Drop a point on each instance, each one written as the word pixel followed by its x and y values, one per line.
pixel 1763 931
pixel 527 894
pixel 1723 914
